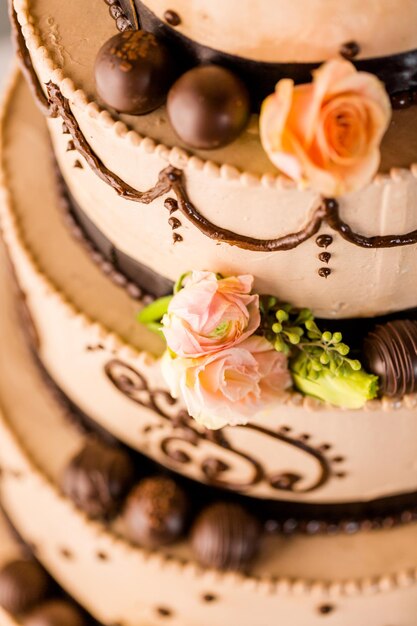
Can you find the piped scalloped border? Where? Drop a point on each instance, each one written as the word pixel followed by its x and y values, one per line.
pixel 262 585
pixel 175 156
pixel 11 230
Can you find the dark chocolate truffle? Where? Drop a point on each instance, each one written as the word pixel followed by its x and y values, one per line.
pixel 208 107
pixel 22 585
pixel 55 613
pixel 225 536
pixel 98 478
pixel 390 352
pixel 156 512
pixel 133 72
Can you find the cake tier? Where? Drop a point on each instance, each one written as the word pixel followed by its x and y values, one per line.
pixel 313 33
pixel 302 31
pixel 296 580
pixel 85 334
pixel 234 211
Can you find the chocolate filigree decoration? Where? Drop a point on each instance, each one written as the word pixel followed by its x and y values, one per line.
pixel 172 179
pixel 217 468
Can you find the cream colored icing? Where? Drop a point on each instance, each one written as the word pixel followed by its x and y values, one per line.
pixel 300 30
pixel 363 282
pixel 64 306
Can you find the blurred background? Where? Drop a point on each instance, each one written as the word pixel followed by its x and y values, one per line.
pixel 5 47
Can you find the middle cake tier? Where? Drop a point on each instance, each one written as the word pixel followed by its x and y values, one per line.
pixel 84 333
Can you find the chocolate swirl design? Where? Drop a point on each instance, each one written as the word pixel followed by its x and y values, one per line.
pixel 172 179
pixel 217 468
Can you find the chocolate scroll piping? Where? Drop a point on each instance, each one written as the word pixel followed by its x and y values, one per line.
pixel 172 179
pixel 187 436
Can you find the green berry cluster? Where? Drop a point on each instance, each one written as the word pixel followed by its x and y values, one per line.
pixel 294 331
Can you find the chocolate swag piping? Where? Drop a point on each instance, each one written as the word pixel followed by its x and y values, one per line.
pixel 172 179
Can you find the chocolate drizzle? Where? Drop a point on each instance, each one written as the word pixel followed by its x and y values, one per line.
pixel 379 241
pixel 172 179
pixel 187 436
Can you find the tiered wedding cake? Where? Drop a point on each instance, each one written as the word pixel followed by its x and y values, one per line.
pixel 208 378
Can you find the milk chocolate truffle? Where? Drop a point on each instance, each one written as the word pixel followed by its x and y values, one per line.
pixel 22 585
pixel 390 352
pixel 225 536
pixel 55 613
pixel 97 479
pixel 133 72
pixel 156 512
pixel 208 107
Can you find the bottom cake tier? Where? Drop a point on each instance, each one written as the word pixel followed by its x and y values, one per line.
pixel 298 580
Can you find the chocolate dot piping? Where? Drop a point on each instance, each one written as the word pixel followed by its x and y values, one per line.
pixel 349 50
pixel 163 611
pixel 326 609
pixel 172 18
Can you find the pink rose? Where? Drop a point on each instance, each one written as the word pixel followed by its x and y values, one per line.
pixel 231 386
pixel 210 314
pixel 327 134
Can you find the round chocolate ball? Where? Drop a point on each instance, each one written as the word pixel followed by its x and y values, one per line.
pixel 133 72
pixel 225 537
pixel 208 107
pixel 156 512
pixel 22 585
pixel 390 352
pixel 55 613
pixel 98 478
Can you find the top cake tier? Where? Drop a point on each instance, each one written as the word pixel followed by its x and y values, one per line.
pixel 266 41
pixel 302 31
pixel 237 209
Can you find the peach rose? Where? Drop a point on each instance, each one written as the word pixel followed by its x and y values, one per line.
pixel 209 314
pixel 327 134
pixel 231 386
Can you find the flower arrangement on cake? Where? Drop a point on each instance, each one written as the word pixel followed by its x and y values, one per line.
pixel 232 354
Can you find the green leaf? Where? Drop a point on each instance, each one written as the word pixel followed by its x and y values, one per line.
pixel 346 387
pixel 178 285
pixel 155 311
